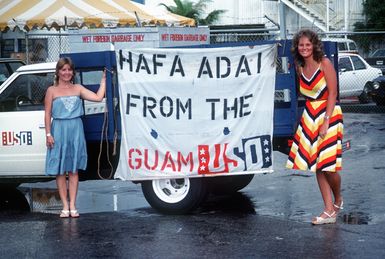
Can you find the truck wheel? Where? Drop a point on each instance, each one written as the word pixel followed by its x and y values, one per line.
pixel 229 184
pixel 175 196
pixel 364 96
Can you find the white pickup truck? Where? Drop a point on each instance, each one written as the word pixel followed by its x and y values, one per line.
pixel 22 147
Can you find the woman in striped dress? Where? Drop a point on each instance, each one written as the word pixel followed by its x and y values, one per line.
pixel 317 144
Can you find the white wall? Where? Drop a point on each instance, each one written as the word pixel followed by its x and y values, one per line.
pixel 155 3
pixel 253 11
pixel 237 11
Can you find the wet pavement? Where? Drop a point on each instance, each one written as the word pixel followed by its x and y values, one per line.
pixel 270 218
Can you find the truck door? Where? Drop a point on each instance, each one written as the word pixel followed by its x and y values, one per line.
pixel 22 146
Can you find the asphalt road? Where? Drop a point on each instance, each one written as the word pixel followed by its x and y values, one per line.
pixel 270 218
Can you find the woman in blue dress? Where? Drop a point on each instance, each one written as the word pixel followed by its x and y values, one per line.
pixel 66 146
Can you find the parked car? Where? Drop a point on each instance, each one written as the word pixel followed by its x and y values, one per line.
pixel 355 76
pixel 8 66
pixel 377 92
pixel 377 59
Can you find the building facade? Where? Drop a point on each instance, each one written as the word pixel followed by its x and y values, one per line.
pixel 341 16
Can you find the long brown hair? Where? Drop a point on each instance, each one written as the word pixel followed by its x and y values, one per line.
pixel 60 64
pixel 318 52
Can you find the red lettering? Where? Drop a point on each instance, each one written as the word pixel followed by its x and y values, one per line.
pixel 176 37
pixel 191 37
pixel 164 37
pixel 86 39
pixel 101 39
pixel 220 158
pixel 149 160
pixel 8 138
pixel 4 138
pixel 137 159
pixel 182 160
pixel 168 162
pixel 202 37
pixel 121 38
pixel 139 37
pixel 146 164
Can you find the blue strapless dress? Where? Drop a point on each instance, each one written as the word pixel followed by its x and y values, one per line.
pixel 69 153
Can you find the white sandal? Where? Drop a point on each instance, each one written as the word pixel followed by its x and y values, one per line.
pixel 74 214
pixel 329 220
pixel 339 207
pixel 64 214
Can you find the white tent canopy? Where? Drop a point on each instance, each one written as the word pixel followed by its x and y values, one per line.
pixel 30 14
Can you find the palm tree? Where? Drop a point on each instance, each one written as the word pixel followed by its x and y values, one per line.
pixel 194 10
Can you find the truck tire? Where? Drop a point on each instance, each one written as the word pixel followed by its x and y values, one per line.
pixel 229 184
pixel 175 196
pixel 13 199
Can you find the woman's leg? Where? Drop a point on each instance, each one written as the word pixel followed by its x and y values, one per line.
pixel 61 183
pixel 73 188
pixel 326 192
pixel 334 180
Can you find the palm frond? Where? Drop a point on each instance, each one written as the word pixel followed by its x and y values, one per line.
pixel 193 10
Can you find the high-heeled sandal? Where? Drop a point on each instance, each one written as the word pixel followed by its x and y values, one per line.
pixel 339 207
pixel 329 220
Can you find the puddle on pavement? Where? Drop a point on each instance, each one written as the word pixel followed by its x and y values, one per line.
pixel 47 200
pixel 122 198
pixel 237 203
pixel 301 175
pixel 356 218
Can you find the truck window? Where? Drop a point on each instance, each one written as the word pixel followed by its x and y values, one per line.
pixel 357 63
pixel 341 46
pixel 4 74
pixel 352 46
pixel 378 53
pixel 90 77
pixel 344 64
pixel 26 93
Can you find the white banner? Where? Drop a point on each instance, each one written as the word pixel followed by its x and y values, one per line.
pixel 196 112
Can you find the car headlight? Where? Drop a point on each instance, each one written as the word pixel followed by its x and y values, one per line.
pixel 376 85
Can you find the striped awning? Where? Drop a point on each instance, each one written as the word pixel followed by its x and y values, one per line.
pixel 31 14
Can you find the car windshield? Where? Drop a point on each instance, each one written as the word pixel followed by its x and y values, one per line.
pixel 27 91
pixel 7 68
pixel 15 65
pixel 379 53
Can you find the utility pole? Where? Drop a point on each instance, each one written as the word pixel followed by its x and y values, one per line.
pixel 282 21
pixel 327 15
pixel 346 6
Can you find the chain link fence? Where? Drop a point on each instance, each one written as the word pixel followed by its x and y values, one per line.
pixel 45 47
pixel 357 69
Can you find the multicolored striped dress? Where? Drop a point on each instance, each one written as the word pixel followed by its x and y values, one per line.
pixel 309 151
